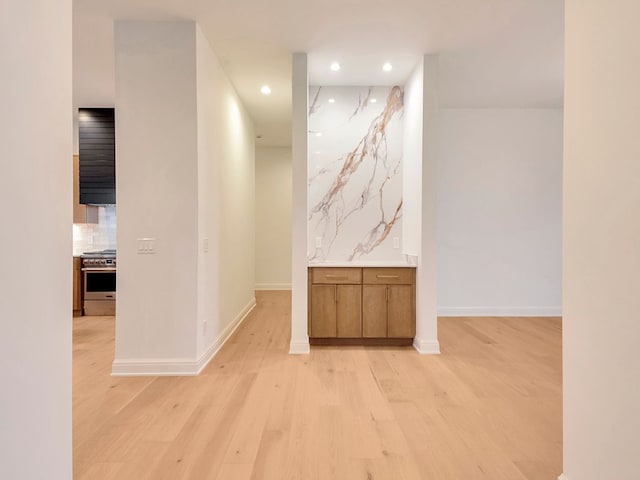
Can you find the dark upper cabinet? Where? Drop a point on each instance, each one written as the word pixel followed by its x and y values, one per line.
pixel 97 137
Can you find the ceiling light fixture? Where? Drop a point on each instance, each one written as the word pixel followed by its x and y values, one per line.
pixel 332 100
pixel 373 100
pixel 387 67
pixel 265 90
pixel 335 66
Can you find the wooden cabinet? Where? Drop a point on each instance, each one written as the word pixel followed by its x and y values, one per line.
pixel 361 305
pixel 81 213
pixel 77 286
pixel 335 303
pixel 389 302
pixel 374 311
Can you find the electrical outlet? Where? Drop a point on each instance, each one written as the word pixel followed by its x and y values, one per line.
pixel 205 245
pixel 396 242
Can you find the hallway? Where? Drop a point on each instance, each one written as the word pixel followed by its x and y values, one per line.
pixel 489 407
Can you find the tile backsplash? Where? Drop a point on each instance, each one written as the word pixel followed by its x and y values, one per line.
pixel 88 237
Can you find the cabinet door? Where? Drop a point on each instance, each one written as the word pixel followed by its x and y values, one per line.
pixel 374 311
pixel 401 319
pixel 349 311
pixel 323 311
pixel 77 285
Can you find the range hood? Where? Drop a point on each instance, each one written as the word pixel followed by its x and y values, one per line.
pixel 97 138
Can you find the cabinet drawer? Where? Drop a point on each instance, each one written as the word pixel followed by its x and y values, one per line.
pixel 336 275
pixel 387 276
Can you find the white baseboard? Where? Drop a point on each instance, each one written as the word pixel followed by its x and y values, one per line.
pixel 273 286
pixel 426 347
pixel 299 348
pixel 215 347
pixel 500 311
pixel 563 477
pixel 154 367
pixel 179 366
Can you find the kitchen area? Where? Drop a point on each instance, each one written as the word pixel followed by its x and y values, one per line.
pixel 94 215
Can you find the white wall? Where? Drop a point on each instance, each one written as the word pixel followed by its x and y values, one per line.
pixel 185 162
pixel 273 218
pixel 426 340
pixel 226 203
pixel 299 153
pixel 500 212
pixel 601 327
pixel 412 162
pixel 156 164
pixel 36 211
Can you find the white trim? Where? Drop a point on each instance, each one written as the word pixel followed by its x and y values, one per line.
pixel 179 366
pixel 426 347
pixel 273 286
pixel 563 477
pixel 299 348
pixel 154 367
pixel 500 311
pixel 215 347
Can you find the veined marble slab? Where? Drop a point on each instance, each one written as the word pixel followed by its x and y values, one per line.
pixel 355 175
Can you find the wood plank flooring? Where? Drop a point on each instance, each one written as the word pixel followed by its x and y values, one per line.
pixel 488 408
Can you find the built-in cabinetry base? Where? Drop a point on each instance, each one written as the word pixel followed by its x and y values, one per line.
pixel 362 306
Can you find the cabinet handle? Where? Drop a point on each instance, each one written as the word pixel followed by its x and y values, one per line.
pixel 339 277
pixel 387 276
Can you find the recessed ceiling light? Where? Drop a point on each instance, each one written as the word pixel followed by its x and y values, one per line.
pixel 318 134
pixel 373 100
pixel 335 66
pixel 387 67
pixel 332 100
pixel 265 90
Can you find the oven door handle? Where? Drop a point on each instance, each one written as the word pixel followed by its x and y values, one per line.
pixel 106 269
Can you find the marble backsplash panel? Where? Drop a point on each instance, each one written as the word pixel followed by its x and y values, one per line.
pixel 355 176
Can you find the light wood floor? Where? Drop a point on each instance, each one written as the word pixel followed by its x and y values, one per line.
pixel 488 408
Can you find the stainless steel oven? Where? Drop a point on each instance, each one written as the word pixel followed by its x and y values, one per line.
pixel 99 271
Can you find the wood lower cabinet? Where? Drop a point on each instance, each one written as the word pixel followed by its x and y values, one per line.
pixel 336 310
pixel 77 286
pixel 374 311
pixel 389 302
pixel 361 305
pixel 401 317
pixel 335 302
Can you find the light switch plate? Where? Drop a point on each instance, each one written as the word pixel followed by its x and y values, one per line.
pixel 205 245
pixel 146 246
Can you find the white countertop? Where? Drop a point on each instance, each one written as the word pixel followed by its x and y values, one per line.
pixel 360 264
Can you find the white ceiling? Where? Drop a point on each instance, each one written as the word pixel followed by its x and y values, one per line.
pixel 493 53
